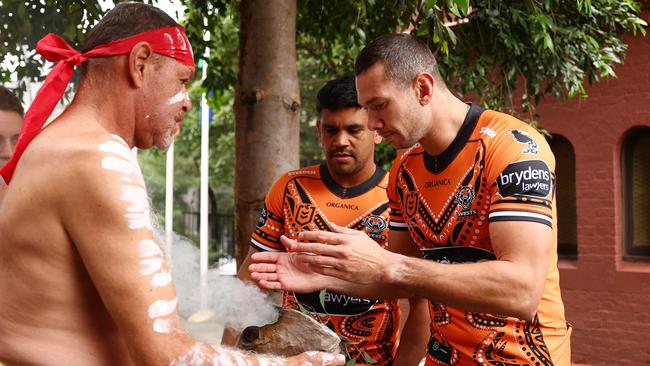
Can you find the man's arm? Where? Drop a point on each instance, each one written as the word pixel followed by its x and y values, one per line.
pixel 351 263
pixel 415 334
pixel 105 210
pixel 512 284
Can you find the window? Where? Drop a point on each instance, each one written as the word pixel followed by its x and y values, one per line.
pixel 636 192
pixel 565 196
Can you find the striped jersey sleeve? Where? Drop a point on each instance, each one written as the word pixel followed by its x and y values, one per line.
pixel 520 173
pixel 396 218
pixel 270 225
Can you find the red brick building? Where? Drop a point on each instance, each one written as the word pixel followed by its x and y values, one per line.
pixel 604 211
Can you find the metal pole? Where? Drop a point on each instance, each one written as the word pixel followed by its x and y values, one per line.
pixel 169 203
pixel 203 235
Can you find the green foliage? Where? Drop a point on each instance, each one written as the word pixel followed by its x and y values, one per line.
pixel 486 49
pixel 25 22
pixel 542 47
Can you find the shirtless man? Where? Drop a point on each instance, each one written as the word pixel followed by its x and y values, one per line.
pixel 83 280
pixel 473 195
pixel 11 119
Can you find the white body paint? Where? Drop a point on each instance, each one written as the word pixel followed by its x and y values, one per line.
pixel 139 215
pixel 149 248
pixel 119 149
pixel 119 165
pixel 150 266
pixel 119 159
pixel 162 308
pixel 162 326
pixel 161 279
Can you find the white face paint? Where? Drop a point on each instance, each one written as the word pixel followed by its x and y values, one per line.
pixel 162 308
pixel 179 97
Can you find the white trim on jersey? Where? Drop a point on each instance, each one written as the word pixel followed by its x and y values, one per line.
pixel 397 224
pixel 521 214
pixel 263 247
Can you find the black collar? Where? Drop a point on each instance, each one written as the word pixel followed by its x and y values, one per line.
pixel 438 163
pixel 350 192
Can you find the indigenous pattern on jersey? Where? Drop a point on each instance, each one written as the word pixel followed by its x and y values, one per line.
pixel 309 199
pixel 496 169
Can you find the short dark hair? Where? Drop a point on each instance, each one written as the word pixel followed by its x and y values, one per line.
pixel 403 57
pixel 338 94
pixel 9 101
pixel 126 20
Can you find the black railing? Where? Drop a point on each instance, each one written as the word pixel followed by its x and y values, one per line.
pixel 221 232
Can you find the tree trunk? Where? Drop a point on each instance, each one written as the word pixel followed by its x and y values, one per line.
pixel 267 107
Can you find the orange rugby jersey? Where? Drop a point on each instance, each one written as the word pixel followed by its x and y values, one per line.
pixel 309 199
pixel 496 169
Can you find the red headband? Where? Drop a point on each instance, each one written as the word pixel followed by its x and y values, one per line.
pixel 169 41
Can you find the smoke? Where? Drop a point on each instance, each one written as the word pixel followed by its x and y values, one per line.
pixel 235 303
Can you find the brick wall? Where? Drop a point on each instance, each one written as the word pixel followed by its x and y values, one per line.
pixel 606 298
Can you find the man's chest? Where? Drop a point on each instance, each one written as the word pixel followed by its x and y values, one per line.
pixel 311 206
pixel 448 208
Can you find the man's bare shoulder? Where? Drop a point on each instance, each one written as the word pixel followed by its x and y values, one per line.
pixel 68 154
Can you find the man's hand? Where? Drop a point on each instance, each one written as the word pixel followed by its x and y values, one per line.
pixel 282 271
pixel 316 359
pixel 347 254
pixel 345 261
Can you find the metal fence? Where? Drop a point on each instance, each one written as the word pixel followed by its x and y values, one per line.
pixel 221 233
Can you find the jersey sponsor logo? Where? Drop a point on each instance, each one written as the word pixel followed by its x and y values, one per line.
pixel 335 303
pixel 348 206
pixel 437 183
pixel 305 214
pixel 301 172
pixel 524 138
pixel 464 198
pixel 450 255
pixel 376 225
pixel 440 351
pixel 411 204
pixel 263 217
pixel 527 178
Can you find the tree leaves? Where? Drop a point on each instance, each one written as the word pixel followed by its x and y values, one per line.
pixel 25 23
